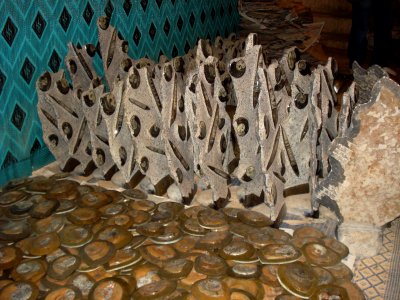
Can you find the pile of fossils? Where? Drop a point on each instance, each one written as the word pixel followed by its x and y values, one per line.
pixel 218 113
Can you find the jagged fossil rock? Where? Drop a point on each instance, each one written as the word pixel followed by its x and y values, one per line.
pixel 220 112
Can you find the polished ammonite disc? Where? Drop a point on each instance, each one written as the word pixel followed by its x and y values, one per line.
pixel 31 270
pixel 75 236
pixel 155 290
pixel 144 205
pixel 110 289
pixel 341 249
pixel 318 254
pixel 14 230
pixel 186 244
pixel 150 229
pixel 163 216
pixel 44 244
pixel 66 206
pixel 254 218
pixel 10 256
pixel 240 229
pixel 244 270
pixel 211 219
pixel 94 200
pixel 238 250
pixel 279 253
pixel 210 265
pixel 63 266
pixel 329 291
pixel 323 275
pixel 145 273
pixel 298 278
pixel 123 220
pixel 210 288
pixel 158 254
pixel 308 231
pixel 231 213
pixel 67 292
pixel 190 212
pixel 111 210
pixel 176 268
pixel 251 287
pixel 260 238
pixel 83 282
pixel 40 185
pixel 83 216
pixel 171 206
pixel 134 194
pixel 123 258
pixel 43 208
pixel 137 241
pixel 54 223
pixel 21 290
pixel 300 242
pixel 117 235
pixel 97 252
pixel 214 240
pixel 170 235
pixel 11 197
pixel 192 227
pixel 340 271
pixel 139 217
pixel 21 207
pixel 269 275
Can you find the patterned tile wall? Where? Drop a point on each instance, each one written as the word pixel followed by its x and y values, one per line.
pixel 34 35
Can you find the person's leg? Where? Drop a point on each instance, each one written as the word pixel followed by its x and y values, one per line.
pixel 357 50
pixel 382 12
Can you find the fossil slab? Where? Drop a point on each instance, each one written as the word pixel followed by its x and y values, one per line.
pixel 370 146
pixel 122 146
pixel 176 132
pixel 213 130
pixel 142 111
pixel 66 113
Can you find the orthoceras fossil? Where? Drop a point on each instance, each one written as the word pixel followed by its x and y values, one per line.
pixel 221 112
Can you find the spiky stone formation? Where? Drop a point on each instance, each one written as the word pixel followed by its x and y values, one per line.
pixel 220 112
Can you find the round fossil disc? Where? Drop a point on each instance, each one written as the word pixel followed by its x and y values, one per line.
pixel 318 254
pixel 117 235
pixel 192 227
pixel 94 200
pixel 214 240
pixel 298 279
pixel 329 291
pixel 44 244
pixel 9 198
pixel 112 209
pixel 66 206
pixel 139 217
pixel 340 271
pixel 83 282
pixel 244 270
pixel 44 208
pixel 158 254
pixel 190 212
pixel 171 234
pixel 176 268
pixel 210 265
pixel 237 250
pixel 75 236
pixel 279 253
pixel 211 219
pixel 31 270
pixel 155 290
pixel 341 249
pixel 323 275
pixel 231 213
pixel 123 220
pixel 254 218
pixel 63 266
pixel 52 223
pixel 22 207
pixel 9 257
pixel 141 204
pixel 210 288
pixel 21 290
pixel 123 258
pixel 66 292
pixel 97 252
pixel 134 194
pixel 150 229
pixel 110 289
pixel 171 206
pixel 186 244
pixel 83 216
pixel 307 232
pixel 269 275
pixel 240 229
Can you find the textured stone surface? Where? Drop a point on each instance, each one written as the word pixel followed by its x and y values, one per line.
pixel 363 186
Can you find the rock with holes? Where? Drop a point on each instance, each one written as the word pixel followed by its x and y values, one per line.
pixel 99 143
pixel 176 132
pixel 60 110
pixel 243 71
pixel 213 130
pixel 114 52
pixel 142 114
pixel 122 146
